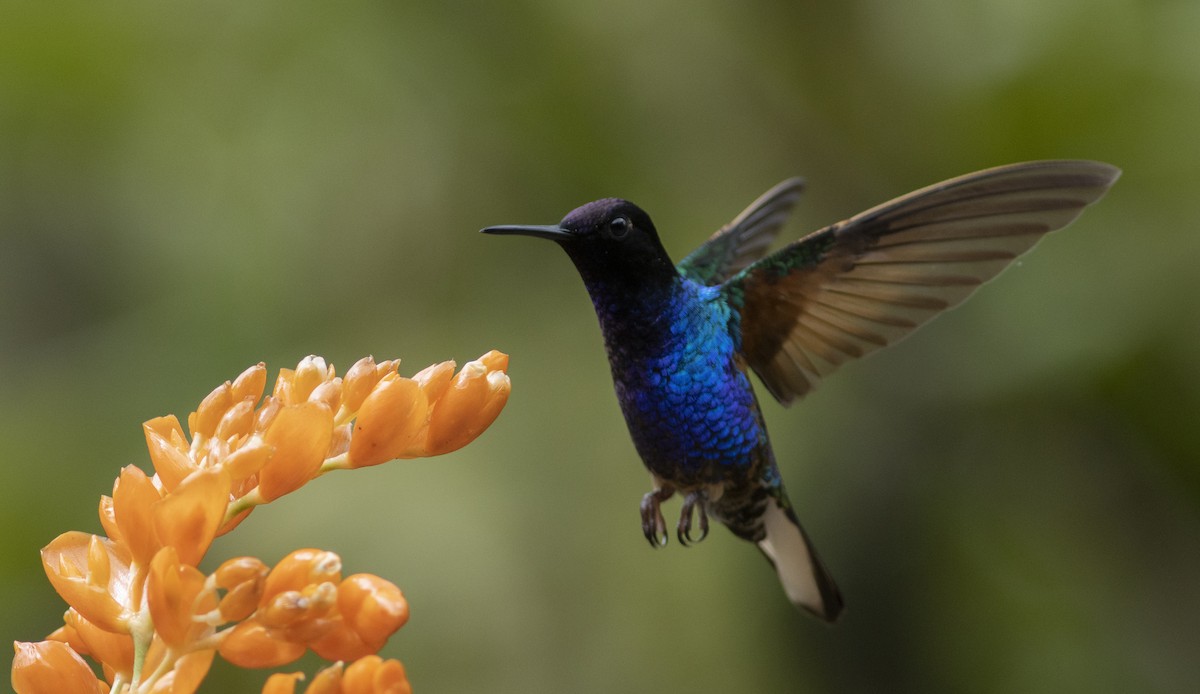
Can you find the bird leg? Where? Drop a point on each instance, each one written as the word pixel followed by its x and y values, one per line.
pixel 684 530
pixel 654 526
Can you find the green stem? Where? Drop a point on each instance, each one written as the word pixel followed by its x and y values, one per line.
pixel 249 500
pixel 141 628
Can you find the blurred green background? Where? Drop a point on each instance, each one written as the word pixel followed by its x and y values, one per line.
pixel 1010 499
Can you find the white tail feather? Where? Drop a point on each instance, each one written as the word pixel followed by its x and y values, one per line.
pixel 805 579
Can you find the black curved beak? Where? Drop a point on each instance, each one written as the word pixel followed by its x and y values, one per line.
pixel 552 232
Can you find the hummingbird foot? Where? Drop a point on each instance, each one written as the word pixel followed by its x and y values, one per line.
pixel 654 526
pixel 684 530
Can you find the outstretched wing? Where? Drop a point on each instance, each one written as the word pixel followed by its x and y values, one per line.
pixel 864 283
pixel 745 239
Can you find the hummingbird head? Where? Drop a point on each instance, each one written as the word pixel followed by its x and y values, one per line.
pixel 609 240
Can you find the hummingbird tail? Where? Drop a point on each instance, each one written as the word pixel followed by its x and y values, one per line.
pixel 805 579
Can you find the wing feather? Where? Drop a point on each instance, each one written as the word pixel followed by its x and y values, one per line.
pixel 862 284
pixel 745 239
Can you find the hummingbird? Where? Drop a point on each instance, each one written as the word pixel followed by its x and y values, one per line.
pixel 682 338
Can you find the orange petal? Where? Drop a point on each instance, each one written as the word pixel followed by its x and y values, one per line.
pixel 92 574
pixel 391 421
pixel 300 434
pixel 250 645
pixel 469 406
pixel 188 674
pixel 168 450
pixel 172 589
pixel 134 499
pixel 188 518
pixel 282 683
pixel 51 667
pixel 113 650
pixel 247 460
pixel 373 607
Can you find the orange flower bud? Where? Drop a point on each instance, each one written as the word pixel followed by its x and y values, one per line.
pixel 302 568
pixel 390 423
pixel 292 608
pixel 374 675
pixel 237 421
pixel 282 683
pixel 311 372
pixel 188 518
pixel 327 681
pixel 329 392
pixel 250 383
pixel 172 590
pixel 372 607
pixel 300 434
pixel 266 413
pixel 168 450
pixel 240 602
pixel 51 667
pixel 361 379
pixel 242 579
pixel 250 645
pixel 435 379
pixel 67 634
pixel 495 360
pixel 470 405
pixel 92 574
pixel 342 643
pixel 203 422
pixel 340 443
pixel 108 520
pixel 113 650
pixel 283 386
pixel 134 498
pixel 240 570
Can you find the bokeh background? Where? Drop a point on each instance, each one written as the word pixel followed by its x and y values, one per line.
pixel 1010 499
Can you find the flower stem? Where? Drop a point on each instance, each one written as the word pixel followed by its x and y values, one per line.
pixel 251 499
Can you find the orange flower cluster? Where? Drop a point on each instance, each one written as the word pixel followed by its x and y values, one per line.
pixel 141 609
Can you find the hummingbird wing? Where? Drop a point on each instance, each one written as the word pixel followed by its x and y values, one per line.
pixel 745 239
pixel 866 282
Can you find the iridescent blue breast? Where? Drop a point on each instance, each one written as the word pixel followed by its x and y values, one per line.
pixel 689 405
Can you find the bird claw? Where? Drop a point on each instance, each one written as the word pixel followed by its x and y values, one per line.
pixel 654 526
pixel 684 529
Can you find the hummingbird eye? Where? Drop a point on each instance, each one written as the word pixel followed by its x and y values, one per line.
pixel 618 227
